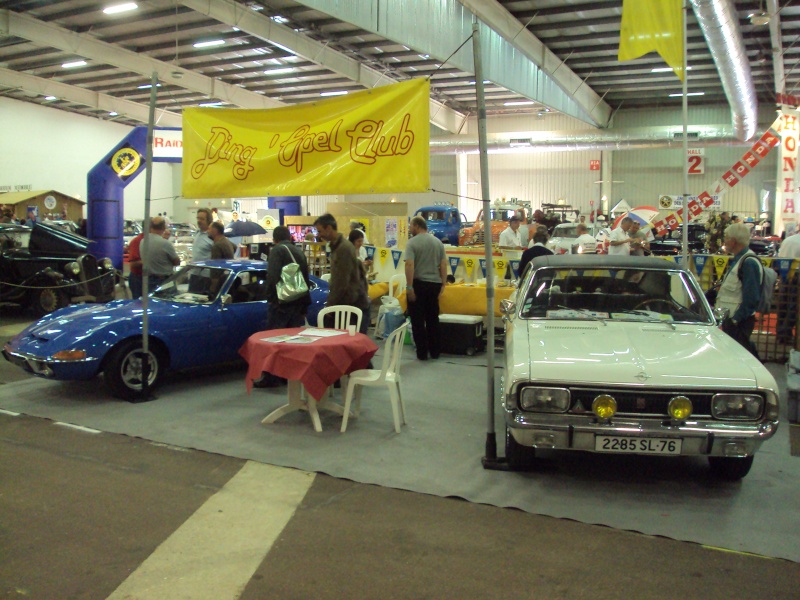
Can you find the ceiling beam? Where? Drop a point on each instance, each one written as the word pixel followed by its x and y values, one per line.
pixel 260 26
pixel 124 108
pixel 48 34
pixel 510 29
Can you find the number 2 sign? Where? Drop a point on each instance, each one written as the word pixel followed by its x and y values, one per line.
pixel 696 163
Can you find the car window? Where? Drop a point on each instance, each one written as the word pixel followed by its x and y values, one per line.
pixel 568 231
pixel 249 286
pixel 193 285
pixel 14 238
pixel 614 294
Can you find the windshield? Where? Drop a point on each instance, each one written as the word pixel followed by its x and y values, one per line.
pixel 504 214
pixel 14 238
pixel 615 294
pixel 565 231
pixel 193 285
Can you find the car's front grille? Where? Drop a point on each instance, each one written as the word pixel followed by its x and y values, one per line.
pixel 641 402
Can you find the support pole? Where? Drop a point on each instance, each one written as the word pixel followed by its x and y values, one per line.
pixel 685 207
pixel 146 394
pixel 490 457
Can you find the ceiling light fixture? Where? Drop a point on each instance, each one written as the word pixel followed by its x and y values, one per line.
pixel 147 86
pixel 209 43
pixel 120 8
pixel 519 103
pixel 113 114
pixel 759 19
pixel 339 93
pixel 50 98
pixel 689 94
pixel 280 19
pixel 72 65
pixel 279 71
pixel 210 104
pixel 666 69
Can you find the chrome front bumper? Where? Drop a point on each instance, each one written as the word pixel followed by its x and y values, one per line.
pixel 38 365
pixel 698 438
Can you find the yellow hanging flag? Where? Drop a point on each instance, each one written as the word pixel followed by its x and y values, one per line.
pixel 653 25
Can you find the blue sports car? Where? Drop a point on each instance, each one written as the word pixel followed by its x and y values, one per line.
pixel 200 316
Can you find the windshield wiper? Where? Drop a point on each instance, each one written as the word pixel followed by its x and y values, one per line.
pixel 650 317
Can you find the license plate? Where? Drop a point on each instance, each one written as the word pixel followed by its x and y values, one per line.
pixel 629 445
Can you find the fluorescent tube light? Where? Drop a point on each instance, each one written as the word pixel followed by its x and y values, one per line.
pixel 210 104
pixel 280 71
pixel 120 8
pixel 666 69
pixel 339 93
pixel 147 86
pixel 209 43
pixel 689 94
pixel 518 103
pixel 72 65
pixel 113 114
pixel 50 98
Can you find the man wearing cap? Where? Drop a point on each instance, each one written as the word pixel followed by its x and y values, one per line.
pixel 511 236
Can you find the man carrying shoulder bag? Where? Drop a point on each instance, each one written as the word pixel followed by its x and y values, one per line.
pixel 284 313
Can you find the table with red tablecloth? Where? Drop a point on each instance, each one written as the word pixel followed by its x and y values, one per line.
pixel 316 365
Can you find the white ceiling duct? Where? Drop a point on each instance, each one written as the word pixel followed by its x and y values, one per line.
pixel 640 138
pixel 720 25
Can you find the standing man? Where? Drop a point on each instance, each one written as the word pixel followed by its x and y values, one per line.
pixel 135 264
pixel 201 247
pixel 158 254
pixel 511 236
pixel 740 291
pixel 787 293
pixel 639 243
pixel 584 239
pixel 619 243
pixel 348 284
pixel 426 278
pixel 221 247
pixel 538 248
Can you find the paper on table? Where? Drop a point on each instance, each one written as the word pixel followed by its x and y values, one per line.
pixel 299 339
pixel 278 338
pixel 314 332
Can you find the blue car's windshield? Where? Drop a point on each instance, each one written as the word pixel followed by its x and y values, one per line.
pixel 615 294
pixel 193 285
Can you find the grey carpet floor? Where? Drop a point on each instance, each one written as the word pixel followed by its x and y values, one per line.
pixel 440 450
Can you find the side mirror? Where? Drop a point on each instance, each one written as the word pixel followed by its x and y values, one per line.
pixel 227 300
pixel 720 314
pixel 507 307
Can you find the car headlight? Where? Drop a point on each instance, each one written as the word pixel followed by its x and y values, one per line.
pixel 538 399
pixel 746 407
pixel 679 408
pixel 72 268
pixel 107 264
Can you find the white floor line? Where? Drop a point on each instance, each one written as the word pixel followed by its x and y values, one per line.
pixel 216 551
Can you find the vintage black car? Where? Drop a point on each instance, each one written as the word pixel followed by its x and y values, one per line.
pixel 671 243
pixel 45 268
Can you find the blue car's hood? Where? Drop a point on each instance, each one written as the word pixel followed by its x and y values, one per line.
pixel 87 319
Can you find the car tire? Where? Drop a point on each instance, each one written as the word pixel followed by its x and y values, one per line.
pixel 123 369
pixel 47 299
pixel 730 468
pixel 519 457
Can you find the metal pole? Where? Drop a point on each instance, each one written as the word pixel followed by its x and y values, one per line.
pixel 491 438
pixel 685 208
pixel 148 170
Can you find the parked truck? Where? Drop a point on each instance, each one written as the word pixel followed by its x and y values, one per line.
pixel 500 214
pixel 445 222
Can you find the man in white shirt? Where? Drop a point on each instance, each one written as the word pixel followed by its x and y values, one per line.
pixel 619 243
pixel 585 239
pixel 201 247
pixel 511 237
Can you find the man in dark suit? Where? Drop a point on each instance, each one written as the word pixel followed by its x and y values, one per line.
pixel 538 249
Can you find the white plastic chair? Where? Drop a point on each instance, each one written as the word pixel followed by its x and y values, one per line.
pixel 397 281
pixel 341 316
pixel 388 375
pixel 397 284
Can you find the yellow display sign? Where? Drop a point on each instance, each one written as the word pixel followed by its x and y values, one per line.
pixel 375 141
pixel 720 262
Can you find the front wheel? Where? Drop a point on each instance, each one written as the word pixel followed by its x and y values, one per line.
pixel 519 457
pixel 46 300
pixel 123 369
pixel 730 468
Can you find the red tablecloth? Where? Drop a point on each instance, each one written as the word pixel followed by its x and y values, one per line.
pixel 317 365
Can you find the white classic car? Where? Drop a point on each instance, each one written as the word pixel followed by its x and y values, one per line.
pixel 623 355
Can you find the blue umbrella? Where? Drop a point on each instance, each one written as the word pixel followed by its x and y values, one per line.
pixel 243 228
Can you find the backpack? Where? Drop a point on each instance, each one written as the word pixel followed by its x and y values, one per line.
pixel 768 280
pixel 292 285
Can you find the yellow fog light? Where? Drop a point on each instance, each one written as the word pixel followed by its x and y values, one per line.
pixel 70 355
pixel 604 406
pixel 679 408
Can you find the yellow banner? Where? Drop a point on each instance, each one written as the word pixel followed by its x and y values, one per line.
pixel 500 268
pixel 469 265
pixel 375 141
pixel 720 262
pixel 383 254
pixel 654 25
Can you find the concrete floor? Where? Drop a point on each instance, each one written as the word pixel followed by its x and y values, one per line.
pixel 88 514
